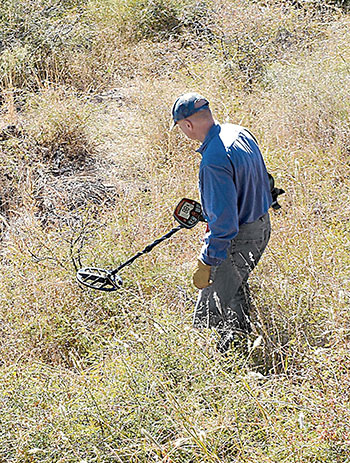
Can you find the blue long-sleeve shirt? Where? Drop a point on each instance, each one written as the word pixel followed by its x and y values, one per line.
pixel 234 187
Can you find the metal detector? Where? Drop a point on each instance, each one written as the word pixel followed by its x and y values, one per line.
pixel 188 213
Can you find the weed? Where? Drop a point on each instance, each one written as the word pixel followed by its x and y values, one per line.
pixel 89 174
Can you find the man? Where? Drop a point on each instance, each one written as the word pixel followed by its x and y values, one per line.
pixel 235 196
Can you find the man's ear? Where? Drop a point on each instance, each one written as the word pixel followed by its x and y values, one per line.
pixel 189 125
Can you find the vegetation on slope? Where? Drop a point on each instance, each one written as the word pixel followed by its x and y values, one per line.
pixel 89 174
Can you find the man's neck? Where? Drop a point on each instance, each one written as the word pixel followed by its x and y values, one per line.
pixel 205 132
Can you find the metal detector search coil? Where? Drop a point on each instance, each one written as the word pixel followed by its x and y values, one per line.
pixel 98 278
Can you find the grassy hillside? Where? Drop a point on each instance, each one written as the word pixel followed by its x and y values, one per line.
pixel 90 174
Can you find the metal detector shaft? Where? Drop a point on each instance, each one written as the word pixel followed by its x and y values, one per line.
pixel 147 249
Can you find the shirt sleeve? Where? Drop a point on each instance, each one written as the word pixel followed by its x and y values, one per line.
pixel 219 202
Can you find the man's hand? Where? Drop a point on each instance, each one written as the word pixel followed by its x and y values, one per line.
pixel 201 276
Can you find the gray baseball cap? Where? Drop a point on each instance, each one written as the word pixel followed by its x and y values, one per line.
pixel 187 105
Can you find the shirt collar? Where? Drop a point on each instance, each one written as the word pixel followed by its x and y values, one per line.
pixel 213 131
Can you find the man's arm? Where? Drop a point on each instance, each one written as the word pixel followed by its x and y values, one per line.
pixel 219 202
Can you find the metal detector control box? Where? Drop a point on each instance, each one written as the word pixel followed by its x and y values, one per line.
pixel 188 213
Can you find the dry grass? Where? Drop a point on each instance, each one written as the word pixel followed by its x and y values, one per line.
pixel 90 176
